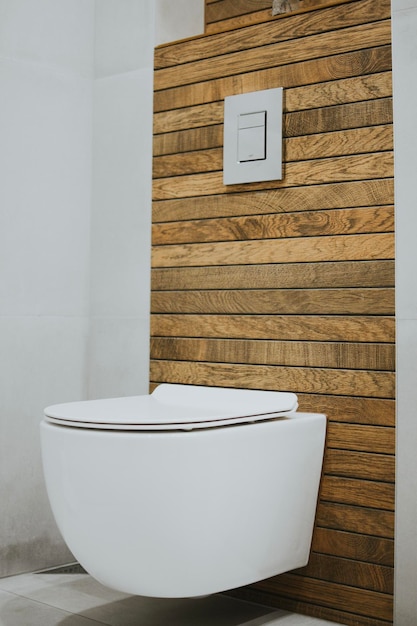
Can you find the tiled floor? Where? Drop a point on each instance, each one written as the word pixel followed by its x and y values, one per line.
pixel 56 599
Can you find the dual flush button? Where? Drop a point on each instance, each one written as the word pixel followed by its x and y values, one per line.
pixel 251 140
pixel 252 149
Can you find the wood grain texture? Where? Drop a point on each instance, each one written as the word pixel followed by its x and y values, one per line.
pixel 296 174
pixel 336 143
pixel 289 284
pixel 357 519
pixel 276 301
pixel 263 16
pixel 350 409
pixel 368 603
pixel 357 63
pixel 310 354
pixel 281 200
pixel 322 20
pixel 292 250
pixel 276 276
pixel 274 226
pixel 367 35
pixel 353 546
pixel 358 328
pixel 311 380
pixel 350 571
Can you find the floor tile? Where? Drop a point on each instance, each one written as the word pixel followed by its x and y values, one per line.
pixel 52 599
pixel 18 611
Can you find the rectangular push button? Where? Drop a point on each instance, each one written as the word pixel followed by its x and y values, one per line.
pixel 251 143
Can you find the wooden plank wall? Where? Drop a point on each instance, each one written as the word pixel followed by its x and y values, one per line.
pixel 289 284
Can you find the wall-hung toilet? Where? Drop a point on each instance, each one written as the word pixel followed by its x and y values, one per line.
pixel 187 491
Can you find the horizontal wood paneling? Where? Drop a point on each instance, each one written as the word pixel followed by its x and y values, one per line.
pixel 289 250
pixel 356 63
pixel 273 226
pixel 281 200
pixel 311 380
pixel 310 354
pixel 368 603
pixel 367 35
pixel 369 329
pixel 276 276
pixel 289 284
pixel 337 143
pixel 271 301
pixel 354 546
pixel 262 16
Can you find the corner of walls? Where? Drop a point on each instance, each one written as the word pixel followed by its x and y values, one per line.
pixel 121 199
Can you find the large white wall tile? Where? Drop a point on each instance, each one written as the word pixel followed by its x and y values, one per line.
pixel 119 361
pixel 403 5
pixel 124 36
pixel 46 363
pixel 45 161
pixel 121 212
pixel 46 59
pixel 170 23
pixel 49 32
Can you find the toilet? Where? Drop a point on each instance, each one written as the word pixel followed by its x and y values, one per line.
pixel 187 491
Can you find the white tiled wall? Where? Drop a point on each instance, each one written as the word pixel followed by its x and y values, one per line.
pixel 45 189
pixel 404 24
pixel 170 24
pixel 121 204
pixel 75 181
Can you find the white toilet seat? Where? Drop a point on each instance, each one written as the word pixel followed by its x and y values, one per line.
pixel 174 407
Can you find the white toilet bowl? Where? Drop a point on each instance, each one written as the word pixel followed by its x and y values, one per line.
pixel 186 492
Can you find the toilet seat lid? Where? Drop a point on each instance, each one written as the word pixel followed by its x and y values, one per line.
pixel 175 407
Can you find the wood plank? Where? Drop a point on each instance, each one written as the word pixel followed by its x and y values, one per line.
pixel 350 410
pixel 361 520
pixel 356 492
pixel 309 380
pixel 249 19
pixel 376 439
pixel 278 276
pixel 300 25
pixel 343 91
pixel 367 603
pixel 354 301
pixel 282 200
pixel 201 138
pixel 225 9
pixel 308 354
pixel 368 329
pixel 336 143
pixel 240 21
pixel 334 615
pixel 189 117
pixel 336 117
pixel 350 545
pixel 313 120
pixel 356 63
pixel 355 37
pixel 277 225
pixel 293 250
pixel 349 572
pixel 319 171
pixel 361 464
